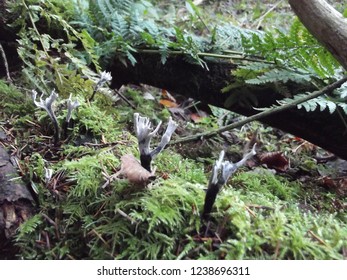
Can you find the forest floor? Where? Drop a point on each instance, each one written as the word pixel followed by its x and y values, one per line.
pixel 288 202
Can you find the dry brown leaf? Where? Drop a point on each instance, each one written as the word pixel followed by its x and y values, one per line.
pixel 166 95
pixel 196 117
pixel 338 185
pixel 168 103
pixel 134 172
pixel 275 160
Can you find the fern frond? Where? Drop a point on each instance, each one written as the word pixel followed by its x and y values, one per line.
pixel 279 75
pixel 297 50
pixel 319 103
pixel 29 226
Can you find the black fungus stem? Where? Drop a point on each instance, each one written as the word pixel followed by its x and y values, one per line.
pixel 146 161
pixel 56 131
pixel 210 198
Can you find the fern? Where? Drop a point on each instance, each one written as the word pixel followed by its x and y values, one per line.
pixel 37 51
pixel 228 36
pixel 296 50
pixel 125 27
pixel 278 75
pixel 321 103
pixel 293 57
pixel 28 227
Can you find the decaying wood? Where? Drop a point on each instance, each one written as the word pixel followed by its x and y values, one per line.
pixel 179 76
pixel 16 203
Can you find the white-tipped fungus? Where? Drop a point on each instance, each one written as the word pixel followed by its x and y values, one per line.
pixel 221 172
pixel 71 105
pixel 47 105
pixel 104 78
pixel 144 134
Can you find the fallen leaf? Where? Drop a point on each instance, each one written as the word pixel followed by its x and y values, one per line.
pixel 338 185
pixel 196 117
pixel 275 160
pixel 168 103
pixel 165 176
pixel 167 95
pixel 148 96
pixel 134 172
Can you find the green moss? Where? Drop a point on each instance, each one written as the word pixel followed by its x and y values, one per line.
pixel 267 185
pixel 178 167
pixel 86 172
pixel 94 122
pixel 13 102
pixel 257 215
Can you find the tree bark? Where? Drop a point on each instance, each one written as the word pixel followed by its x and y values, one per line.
pixel 326 24
pixel 16 204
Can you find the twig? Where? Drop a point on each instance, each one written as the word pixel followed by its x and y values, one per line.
pixel 123 214
pixel 203 54
pixel 260 19
pixel 48 243
pixel 320 240
pixel 277 249
pixel 263 114
pixel 2 51
pixel 250 211
pixel 53 223
pixel 35 28
pixel 125 99
pixel 102 145
pixel 338 110
pixel 93 231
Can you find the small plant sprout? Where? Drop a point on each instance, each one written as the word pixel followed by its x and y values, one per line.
pixel 144 134
pixel 104 78
pixel 47 105
pixel 221 172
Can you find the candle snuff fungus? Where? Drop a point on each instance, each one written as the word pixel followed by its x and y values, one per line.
pixel 141 173
pixel 47 105
pixel 104 78
pixel 144 134
pixel 221 172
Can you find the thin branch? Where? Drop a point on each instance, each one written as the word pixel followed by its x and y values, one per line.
pixel 2 51
pixel 338 110
pixel 203 54
pixel 124 99
pixel 263 114
pixel 316 237
pixel 260 19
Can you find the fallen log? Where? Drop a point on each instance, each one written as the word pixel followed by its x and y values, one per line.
pixel 179 76
pixel 191 80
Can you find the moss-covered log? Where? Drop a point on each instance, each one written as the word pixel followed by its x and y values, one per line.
pixel 177 75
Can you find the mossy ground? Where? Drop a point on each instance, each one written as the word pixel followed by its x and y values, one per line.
pixel 257 215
